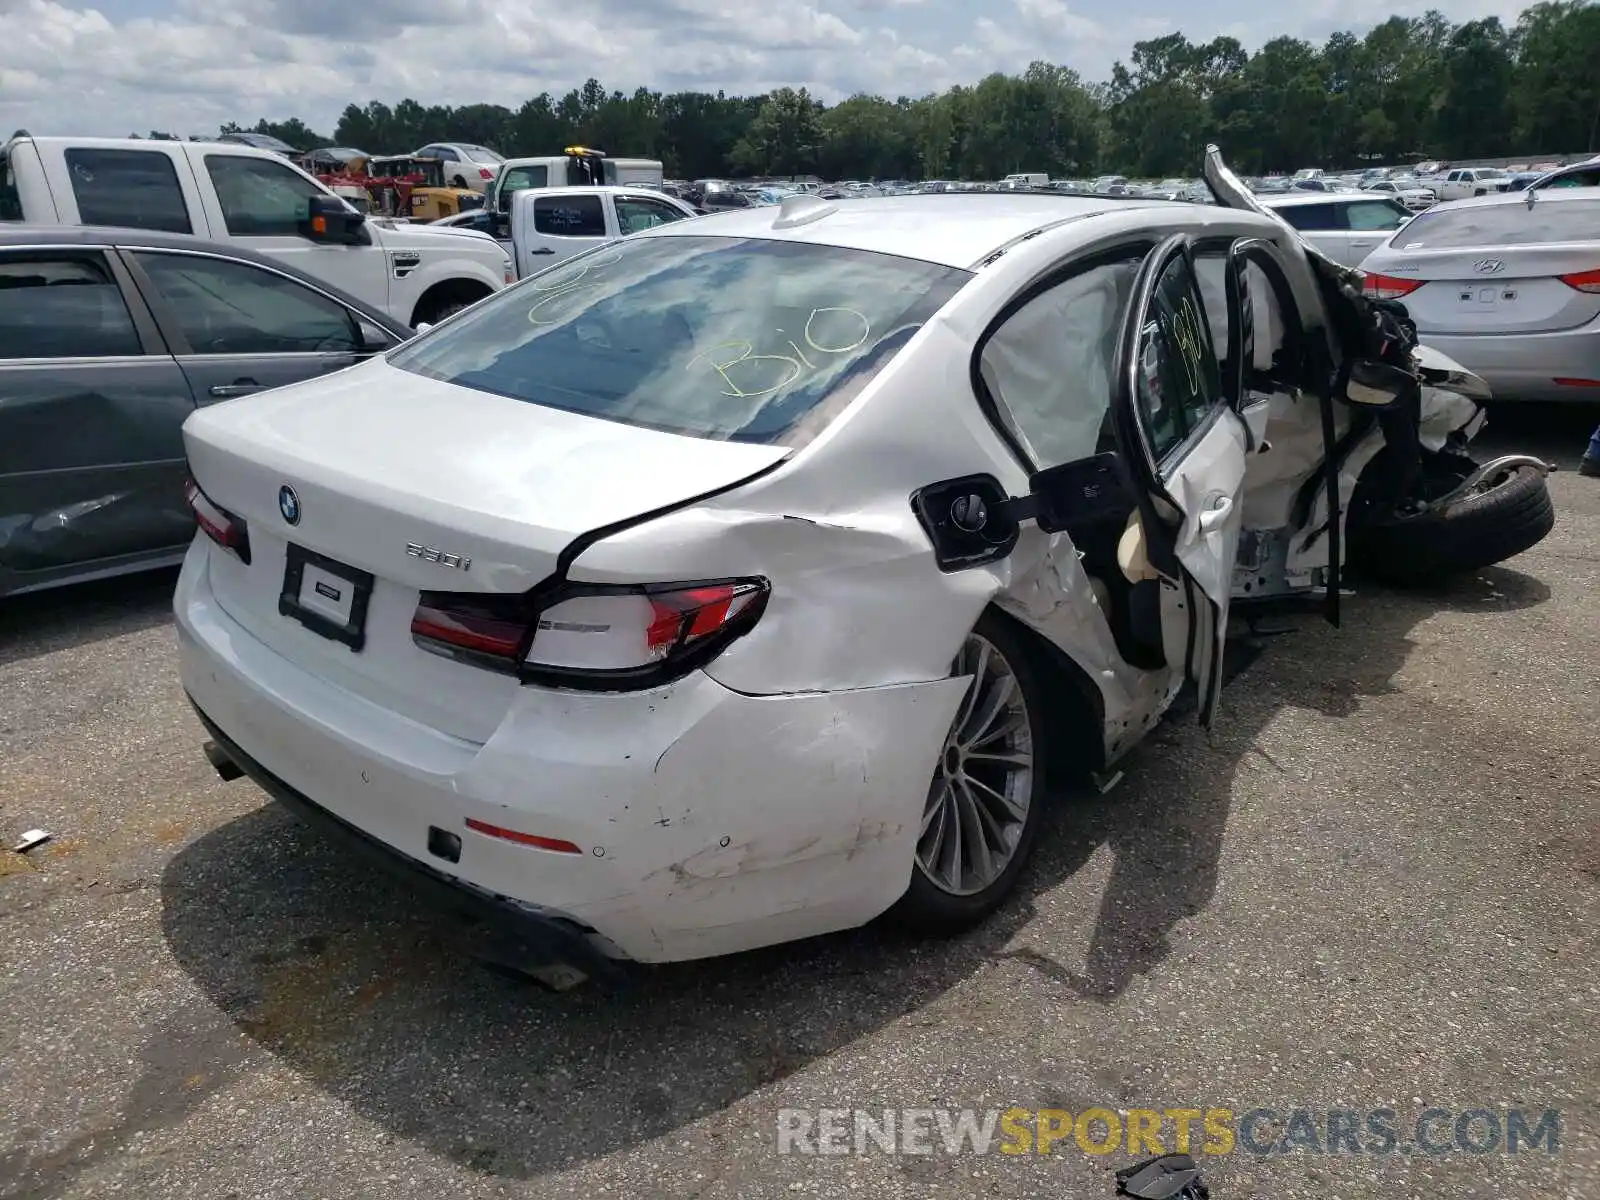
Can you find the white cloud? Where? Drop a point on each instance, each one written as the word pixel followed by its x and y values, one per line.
pixel 71 70
pixel 190 65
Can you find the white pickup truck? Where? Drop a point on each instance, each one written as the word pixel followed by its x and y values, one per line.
pixel 1463 182
pixel 552 224
pixel 254 198
pixel 578 167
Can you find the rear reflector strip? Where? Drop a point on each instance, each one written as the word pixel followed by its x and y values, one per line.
pixel 1567 381
pixel 559 845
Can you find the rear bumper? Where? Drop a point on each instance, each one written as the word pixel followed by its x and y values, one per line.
pixel 706 821
pixel 1526 366
pixel 515 932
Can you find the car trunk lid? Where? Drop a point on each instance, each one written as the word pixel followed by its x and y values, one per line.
pixel 423 486
pixel 1493 290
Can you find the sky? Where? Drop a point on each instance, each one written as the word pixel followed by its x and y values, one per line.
pixel 110 67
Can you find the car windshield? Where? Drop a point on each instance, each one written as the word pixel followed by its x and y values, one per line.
pixel 1504 225
pixel 733 339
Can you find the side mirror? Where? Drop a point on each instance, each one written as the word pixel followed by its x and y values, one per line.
pixel 374 339
pixel 1374 384
pixel 330 219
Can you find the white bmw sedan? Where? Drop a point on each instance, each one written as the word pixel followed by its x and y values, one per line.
pixel 730 583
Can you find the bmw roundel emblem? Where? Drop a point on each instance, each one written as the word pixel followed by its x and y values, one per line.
pixel 289 504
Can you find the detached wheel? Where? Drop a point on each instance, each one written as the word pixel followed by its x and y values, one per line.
pixel 986 800
pixel 1508 513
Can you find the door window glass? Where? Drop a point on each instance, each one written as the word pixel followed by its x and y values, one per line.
pixel 518 178
pixel 137 189
pixel 63 308
pixel 226 307
pixel 569 216
pixel 261 198
pixel 1312 217
pixel 1268 329
pixel 1177 381
pixel 1049 367
pixel 634 214
pixel 1367 215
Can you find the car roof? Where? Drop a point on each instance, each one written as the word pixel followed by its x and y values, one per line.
pixel 1544 196
pixel 956 229
pixel 20 237
pixel 1299 197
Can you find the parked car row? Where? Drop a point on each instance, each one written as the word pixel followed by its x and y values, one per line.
pixel 109 340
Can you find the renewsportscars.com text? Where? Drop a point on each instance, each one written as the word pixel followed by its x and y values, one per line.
pixel 1139 1131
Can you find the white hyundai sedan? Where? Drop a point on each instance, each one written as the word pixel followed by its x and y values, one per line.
pixel 729 584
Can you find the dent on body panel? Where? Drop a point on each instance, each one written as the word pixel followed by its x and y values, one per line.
pixel 91 463
pixel 1047 589
pixel 832 791
pixel 856 601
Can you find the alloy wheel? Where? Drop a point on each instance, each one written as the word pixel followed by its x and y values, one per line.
pixel 983 785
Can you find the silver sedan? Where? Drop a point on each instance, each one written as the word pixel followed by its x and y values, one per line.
pixel 1508 286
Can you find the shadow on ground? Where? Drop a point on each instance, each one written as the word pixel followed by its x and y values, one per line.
pixel 62 618
pixel 365 995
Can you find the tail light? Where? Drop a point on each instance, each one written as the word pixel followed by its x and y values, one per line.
pixel 1584 281
pixel 592 637
pixel 220 525
pixel 485 173
pixel 1387 287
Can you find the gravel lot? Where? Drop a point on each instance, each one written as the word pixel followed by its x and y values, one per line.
pixel 1377 883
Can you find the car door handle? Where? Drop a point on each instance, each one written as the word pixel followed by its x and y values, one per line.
pixel 542 250
pixel 239 387
pixel 1213 517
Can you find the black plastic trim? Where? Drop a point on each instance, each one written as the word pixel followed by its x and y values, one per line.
pixel 354 632
pixel 1004 515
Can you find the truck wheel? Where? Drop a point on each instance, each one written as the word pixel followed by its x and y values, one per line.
pixel 446 301
pixel 1507 514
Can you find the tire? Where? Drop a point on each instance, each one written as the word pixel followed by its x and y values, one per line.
pixel 1510 515
pixel 446 305
pixel 958 890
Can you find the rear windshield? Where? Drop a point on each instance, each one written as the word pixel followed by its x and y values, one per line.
pixel 479 153
pixel 733 339
pixel 1504 225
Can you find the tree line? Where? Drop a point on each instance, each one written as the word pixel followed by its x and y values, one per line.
pixel 1411 88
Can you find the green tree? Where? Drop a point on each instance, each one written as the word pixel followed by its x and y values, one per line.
pixel 784 138
pixel 1556 90
pixel 1410 87
pixel 1475 113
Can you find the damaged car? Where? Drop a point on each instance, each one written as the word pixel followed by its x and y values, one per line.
pixel 748 578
